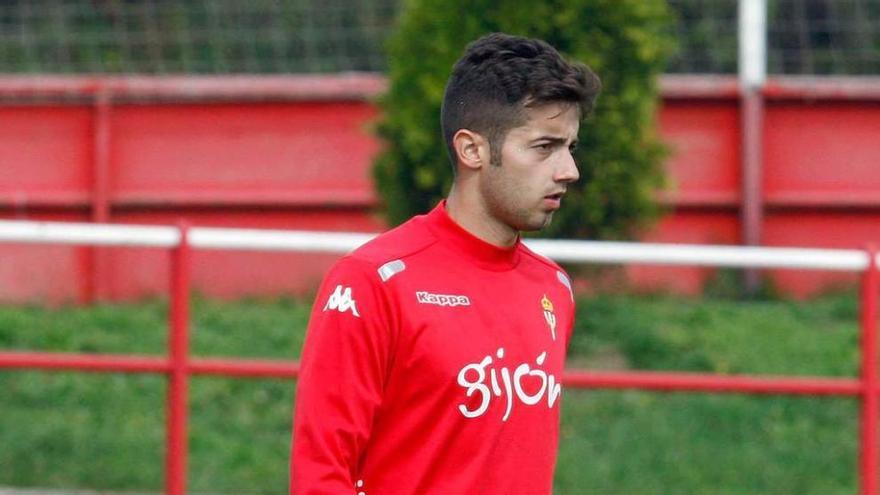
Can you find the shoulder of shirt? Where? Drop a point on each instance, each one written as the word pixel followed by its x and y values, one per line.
pixel 398 243
pixel 547 264
pixel 527 252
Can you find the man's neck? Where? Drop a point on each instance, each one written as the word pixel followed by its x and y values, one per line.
pixel 472 215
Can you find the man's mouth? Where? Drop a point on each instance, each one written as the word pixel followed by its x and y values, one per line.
pixel 554 200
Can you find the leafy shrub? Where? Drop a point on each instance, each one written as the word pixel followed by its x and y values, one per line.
pixel 626 42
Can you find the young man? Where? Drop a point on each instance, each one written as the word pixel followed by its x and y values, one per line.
pixel 434 352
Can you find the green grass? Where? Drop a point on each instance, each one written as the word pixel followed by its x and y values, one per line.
pixel 106 431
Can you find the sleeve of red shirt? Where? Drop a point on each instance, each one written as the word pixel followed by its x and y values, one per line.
pixel 343 367
pixel 572 316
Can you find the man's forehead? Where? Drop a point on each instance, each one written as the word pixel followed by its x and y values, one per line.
pixel 559 118
pixel 553 109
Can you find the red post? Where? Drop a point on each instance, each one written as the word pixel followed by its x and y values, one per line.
pixel 752 202
pixel 870 404
pixel 178 353
pixel 95 257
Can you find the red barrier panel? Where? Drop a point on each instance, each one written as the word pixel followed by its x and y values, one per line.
pixel 295 152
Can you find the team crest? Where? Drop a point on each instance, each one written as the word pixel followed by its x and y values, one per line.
pixel 549 315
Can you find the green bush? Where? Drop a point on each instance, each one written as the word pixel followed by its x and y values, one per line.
pixel 625 41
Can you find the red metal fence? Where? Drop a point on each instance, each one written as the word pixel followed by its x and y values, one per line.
pixel 179 366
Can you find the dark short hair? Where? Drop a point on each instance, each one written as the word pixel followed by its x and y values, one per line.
pixel 500 75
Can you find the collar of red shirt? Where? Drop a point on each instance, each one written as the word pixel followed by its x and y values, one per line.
pixel 487 255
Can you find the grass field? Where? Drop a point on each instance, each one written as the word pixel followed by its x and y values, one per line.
pixel 104 431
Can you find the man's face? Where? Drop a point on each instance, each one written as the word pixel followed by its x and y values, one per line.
pixel 536 167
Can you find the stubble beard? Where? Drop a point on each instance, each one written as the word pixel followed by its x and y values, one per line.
pixel 548 217
pixel 518 217
pixel 501 203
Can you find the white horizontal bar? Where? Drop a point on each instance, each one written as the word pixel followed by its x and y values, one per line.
pixel 275 240
pixel 691 254
pixel 88 234
pixel 339 242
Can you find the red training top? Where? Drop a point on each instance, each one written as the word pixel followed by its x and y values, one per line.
pixel 431 366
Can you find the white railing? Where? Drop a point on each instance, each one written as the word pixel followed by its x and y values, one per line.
pixel 337 242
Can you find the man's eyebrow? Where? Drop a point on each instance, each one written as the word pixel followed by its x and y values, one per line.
pixel 553 139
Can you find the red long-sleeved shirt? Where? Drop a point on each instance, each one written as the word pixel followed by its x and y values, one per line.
pixel 431 365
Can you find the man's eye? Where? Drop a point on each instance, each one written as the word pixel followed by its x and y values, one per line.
pixel 544 146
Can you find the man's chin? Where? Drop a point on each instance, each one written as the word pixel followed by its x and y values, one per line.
pixel 538 224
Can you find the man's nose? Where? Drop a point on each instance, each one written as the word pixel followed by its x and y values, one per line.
pixel 567 170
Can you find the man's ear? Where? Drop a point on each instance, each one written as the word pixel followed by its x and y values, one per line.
pixel 471 149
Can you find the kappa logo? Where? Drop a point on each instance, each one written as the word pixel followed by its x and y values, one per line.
pixel 442 299
pixel 341 301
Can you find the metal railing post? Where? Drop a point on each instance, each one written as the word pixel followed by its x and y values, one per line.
pixel 178 379
pixel 96 283
pixel 870 404
pixel 752 77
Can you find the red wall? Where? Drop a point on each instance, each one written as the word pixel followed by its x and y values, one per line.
pixel 295 153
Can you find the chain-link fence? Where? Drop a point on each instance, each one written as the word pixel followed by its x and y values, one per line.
pixel 706 32
pixel 311 36
pixel 193 36
pixel 825 37
pixel 803 36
